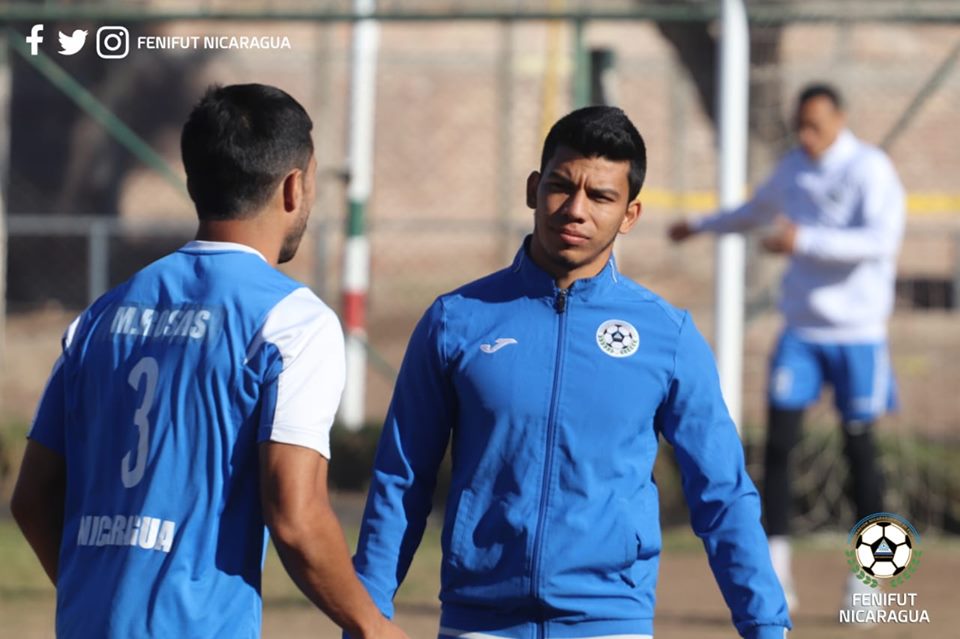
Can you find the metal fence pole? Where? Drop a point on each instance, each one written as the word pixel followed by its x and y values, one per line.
pixel 98 259
pixel 327 158
pixel 581 67
pixel 5 92
pixel 678 133
pixel 733 83
pixel 505 142
pixel 956 272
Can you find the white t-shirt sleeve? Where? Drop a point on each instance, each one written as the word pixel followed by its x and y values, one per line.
pixel 300 401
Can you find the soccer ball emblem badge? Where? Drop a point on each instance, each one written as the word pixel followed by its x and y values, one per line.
pixel 883 546
pixel 618 338
pixel 884 549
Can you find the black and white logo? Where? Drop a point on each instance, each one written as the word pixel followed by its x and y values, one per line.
pixel 35 39
pixel 883 546
pixel 113 42
pixel 618 338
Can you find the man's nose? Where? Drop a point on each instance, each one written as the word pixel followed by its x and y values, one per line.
pixel 576 206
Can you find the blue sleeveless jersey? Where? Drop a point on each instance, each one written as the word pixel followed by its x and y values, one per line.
pixel 165 387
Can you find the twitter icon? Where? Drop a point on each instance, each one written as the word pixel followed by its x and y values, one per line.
pixel 70 44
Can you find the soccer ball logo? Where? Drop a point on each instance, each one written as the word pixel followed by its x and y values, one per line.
pixel 617 338
pixel 883 546
pixel 884 549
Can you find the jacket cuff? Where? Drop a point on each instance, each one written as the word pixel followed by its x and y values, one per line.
pixel 765 632
pixel 698 224
pixel 803 241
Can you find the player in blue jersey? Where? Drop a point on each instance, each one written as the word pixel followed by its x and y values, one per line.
pixel 841 209
pixel 192 404
pixel 553 381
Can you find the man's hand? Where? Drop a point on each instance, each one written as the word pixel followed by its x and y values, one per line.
pixel 310 542
pixel 387 630
pixel 679 231
pixel 783 239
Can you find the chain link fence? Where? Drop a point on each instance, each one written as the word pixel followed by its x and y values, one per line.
pixel 462 108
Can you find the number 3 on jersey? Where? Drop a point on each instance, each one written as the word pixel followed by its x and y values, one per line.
pixel 146 371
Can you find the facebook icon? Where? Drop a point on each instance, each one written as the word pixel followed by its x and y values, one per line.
pixel 34 39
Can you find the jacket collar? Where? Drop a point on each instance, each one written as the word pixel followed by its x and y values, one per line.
pixel 842 148
pixel 541 284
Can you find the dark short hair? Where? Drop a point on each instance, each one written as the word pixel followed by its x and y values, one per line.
pixel 820 90
pixel 238 143
pixel 600 131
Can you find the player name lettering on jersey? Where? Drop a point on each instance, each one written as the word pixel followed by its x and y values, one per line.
pixel 149 533
pixel 185 323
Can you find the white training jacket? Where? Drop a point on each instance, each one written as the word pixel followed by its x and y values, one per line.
pixel 849 210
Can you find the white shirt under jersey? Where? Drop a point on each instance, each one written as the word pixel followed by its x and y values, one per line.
pixel 307 334
pixel 849 210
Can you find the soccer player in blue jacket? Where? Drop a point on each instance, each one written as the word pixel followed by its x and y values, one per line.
pixel 553 381
pixel 193 403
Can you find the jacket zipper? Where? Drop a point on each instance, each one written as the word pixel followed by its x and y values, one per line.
pixel 560 306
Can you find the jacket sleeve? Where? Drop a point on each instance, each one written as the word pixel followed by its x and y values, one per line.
pixel 724 504
pixel 880 227
pixel 759 210
pixel 414 438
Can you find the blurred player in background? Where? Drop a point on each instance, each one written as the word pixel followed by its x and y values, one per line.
pixel 556 377
pixel 836 207
pixel 193 403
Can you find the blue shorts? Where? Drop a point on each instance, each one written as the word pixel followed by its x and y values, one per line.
pixel 863 383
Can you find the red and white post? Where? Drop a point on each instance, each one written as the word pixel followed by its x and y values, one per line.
pixel 356 262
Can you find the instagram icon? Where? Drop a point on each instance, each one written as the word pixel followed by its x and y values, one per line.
pixel 113 42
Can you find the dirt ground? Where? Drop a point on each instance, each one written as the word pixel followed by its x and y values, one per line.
pixel 689 603
pixel 689 606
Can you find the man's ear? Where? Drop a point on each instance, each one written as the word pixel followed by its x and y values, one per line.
pixel 533 183
pixel 292 190
pixel 634 211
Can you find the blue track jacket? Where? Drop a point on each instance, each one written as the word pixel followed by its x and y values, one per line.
pixel 555 401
